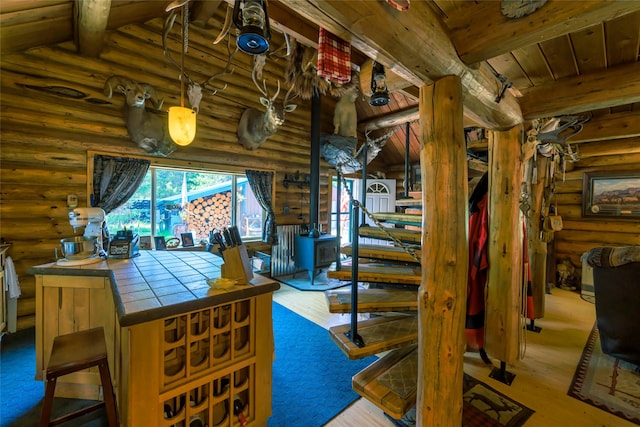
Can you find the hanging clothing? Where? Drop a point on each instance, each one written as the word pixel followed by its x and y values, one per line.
pixel 527 273
pixel 334 58
pixel 12 285
pixel 478 265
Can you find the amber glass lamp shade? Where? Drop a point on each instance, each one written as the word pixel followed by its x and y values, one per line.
pixel 182 125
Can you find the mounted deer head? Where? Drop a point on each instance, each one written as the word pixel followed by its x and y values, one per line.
pixel 255 126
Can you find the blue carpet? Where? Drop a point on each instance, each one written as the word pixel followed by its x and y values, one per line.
pixel 311 377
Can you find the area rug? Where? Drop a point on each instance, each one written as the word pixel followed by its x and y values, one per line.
pixel 302 282
pixel 606 382
pixel 311 376
pixel 482 406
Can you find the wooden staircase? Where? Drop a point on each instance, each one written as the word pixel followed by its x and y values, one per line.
pixel 393 276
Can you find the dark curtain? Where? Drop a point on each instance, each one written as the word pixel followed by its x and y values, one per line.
pixel 262 186
pixel 115 179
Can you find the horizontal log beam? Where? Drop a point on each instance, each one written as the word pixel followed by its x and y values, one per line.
pixel 610 126
pixel 391 38
pixel 603 89
pixel 480 32
pixel 609 148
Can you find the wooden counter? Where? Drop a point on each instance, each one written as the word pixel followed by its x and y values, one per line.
pixel 178 350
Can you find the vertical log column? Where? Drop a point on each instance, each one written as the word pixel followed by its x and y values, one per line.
pixel 504 284
pixel 442 293
pixel 537 248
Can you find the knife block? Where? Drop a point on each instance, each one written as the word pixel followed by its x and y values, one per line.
pixel 237 264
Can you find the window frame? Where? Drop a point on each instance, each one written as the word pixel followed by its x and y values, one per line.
pixel 191 166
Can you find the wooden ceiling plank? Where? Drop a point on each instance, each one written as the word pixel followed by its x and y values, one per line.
pixel 610 126
pixel 534 64
pixel 589 49
pixel 623 40
pixel 391 37
pixel 480 32
pixel 616 86
pixel 559 55
pixel 507 65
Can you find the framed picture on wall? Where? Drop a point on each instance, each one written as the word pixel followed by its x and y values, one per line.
pixel 611 194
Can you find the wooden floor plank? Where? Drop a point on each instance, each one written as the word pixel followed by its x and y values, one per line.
pixel 373 300
pixel 379 335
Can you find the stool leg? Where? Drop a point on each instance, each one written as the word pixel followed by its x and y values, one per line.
pixel 108 395
pixel 47 403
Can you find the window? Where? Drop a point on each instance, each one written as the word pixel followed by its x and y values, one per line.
pixel 187 200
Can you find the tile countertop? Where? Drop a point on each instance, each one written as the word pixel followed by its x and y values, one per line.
pixel 160 284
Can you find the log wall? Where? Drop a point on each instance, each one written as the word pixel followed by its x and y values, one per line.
pixel 54 111
pixel 579 233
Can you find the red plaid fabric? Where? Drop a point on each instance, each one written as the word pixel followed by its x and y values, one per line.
pixel 334 58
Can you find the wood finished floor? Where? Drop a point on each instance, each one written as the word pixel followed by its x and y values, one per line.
pixel 542 377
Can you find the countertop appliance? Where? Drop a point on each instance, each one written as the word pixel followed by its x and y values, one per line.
pixel 125 244
pixel 92 220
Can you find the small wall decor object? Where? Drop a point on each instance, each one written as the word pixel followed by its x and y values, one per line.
pixel 187 239
pixel 611 194
pixel 145 242
pixel 160 243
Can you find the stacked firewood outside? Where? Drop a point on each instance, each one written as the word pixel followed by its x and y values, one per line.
pixel 208 213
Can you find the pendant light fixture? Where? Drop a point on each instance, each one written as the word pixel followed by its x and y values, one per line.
pixel 252 19
pixel 379 91
pixel 182 120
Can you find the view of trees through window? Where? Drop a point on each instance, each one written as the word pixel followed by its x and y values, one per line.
pixel 189 201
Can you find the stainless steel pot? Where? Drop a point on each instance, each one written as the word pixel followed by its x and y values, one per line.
pixel 79 247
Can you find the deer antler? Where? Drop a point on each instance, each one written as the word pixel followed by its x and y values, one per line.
pixel 263 90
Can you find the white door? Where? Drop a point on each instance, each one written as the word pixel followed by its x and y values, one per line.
pixel 381 197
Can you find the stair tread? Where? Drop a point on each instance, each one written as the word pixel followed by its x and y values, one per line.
pixel 390 382
pixel 379 334
pixel 408 202
pixel 379 273
pixel 373 300
pixel 389 253
pixel 407 236
pixel 399 218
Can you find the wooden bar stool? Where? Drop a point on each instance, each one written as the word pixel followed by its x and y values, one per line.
pixel 75 352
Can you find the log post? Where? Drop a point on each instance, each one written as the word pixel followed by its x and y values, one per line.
pixel 442 293
pixel 504 282
pixel 537 247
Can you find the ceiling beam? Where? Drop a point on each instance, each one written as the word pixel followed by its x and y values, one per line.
pixel 91 18
pixel 610 126
pixel 603 89
pixel 392 38
pixel 480 31
pixel 393 119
